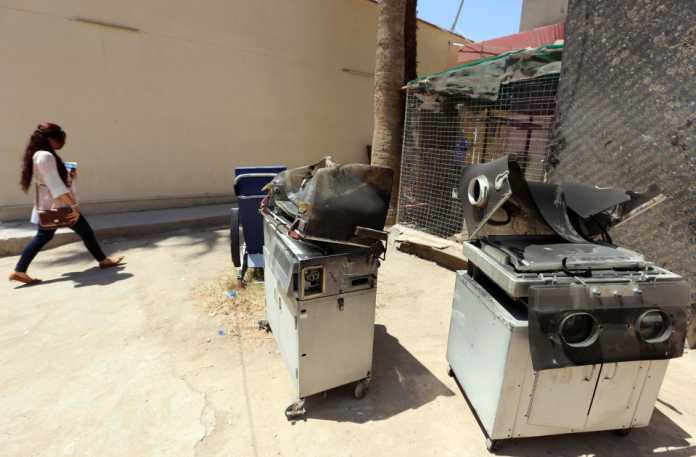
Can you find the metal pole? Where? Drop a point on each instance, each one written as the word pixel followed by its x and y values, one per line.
pixel 456 18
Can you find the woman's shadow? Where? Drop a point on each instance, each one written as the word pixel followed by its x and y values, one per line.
pixel 94 276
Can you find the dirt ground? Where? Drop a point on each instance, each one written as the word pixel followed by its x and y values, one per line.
pixel 154 360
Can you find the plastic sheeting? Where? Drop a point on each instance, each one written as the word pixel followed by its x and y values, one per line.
pixel 330 202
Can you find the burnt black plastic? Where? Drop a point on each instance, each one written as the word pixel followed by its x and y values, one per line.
pixel 620 338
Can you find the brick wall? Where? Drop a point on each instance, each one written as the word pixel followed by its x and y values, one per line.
pixel 627 116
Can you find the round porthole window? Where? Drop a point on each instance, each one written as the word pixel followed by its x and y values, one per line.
pixel 654 326
pixel 579 330
pixel 478 191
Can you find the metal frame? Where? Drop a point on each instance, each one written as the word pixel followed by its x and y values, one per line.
pixel 489 355
pixel 516 284
pixel 325 339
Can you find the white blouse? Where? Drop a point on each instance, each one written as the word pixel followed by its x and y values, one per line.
pixel 50 186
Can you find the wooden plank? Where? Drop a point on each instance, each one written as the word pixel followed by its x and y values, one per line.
pixel 400 233
pixel 444 258
pixel 446 253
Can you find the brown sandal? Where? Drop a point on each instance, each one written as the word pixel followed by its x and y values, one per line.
pixel 23 278
pixel 110 263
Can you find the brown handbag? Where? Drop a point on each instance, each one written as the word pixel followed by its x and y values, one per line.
pixel 53 218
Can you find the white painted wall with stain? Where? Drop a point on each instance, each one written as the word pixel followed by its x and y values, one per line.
pixel 160 115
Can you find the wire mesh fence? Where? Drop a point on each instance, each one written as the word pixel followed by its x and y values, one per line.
pixel 445 133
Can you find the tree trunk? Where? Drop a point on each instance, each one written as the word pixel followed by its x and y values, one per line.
pixel 410 43
pixel 389 78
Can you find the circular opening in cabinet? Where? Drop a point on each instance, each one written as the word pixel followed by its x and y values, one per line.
pixel 478 191
pixel 579 330
pixel 654 326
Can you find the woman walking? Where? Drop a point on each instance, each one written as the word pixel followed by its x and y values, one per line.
pixel 54 189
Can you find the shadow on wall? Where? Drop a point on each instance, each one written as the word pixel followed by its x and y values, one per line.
pixel 399 383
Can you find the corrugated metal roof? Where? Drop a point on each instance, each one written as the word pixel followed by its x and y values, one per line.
pixel 531 39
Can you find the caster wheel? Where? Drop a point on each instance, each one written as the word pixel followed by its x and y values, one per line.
pixel 265 326
pixel 450 372
pixel 492 445
pixel 622 431
pixel 360 390
pixel 296 410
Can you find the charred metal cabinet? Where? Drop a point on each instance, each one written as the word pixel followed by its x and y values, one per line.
pixel 321 309
pixel 488 352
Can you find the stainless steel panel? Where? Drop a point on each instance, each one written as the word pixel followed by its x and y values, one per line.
pixel 281 319
pixel 321 311
pixel 614 400
pixel 562 397
pixel 343 269
pixel 341 273
pixel 488 351
pixel 549 257
pixel 478 344
pixel 335 340
pixel 516 284
pixel 649 392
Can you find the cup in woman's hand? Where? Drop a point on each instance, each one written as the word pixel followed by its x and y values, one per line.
pixel 72 169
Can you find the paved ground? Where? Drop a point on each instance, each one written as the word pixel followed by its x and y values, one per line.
pixel 15 235
pixel 129 363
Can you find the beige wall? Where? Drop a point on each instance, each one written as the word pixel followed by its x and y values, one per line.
pixel 169 110
pixel 537 13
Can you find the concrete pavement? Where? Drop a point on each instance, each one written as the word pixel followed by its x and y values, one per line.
pixel 129 363
pixel 15 235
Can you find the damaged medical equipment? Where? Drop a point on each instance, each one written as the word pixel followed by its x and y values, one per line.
pixel 324 238
pixel 554 329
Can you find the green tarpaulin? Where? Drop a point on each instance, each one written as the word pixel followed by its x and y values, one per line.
pixel 483 78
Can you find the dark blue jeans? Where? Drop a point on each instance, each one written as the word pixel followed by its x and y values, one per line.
pixel 43 236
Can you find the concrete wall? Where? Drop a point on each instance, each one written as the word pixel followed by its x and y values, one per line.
pixel 160 116
pixel 537 13
pixel 627 116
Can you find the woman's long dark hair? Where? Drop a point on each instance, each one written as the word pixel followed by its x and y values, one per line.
pixel 39 142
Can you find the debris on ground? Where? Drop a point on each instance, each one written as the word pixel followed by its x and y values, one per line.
pixel 239 310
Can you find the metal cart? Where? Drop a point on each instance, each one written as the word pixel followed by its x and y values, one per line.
pixel 320 306
pixel 504 359
pixel 552 331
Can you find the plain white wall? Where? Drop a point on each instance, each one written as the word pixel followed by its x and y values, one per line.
pixel 170 110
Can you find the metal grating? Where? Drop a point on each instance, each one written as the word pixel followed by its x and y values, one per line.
pixel 445 133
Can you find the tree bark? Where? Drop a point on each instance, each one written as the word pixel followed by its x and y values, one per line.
pixel 410 42
pixel 388 102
